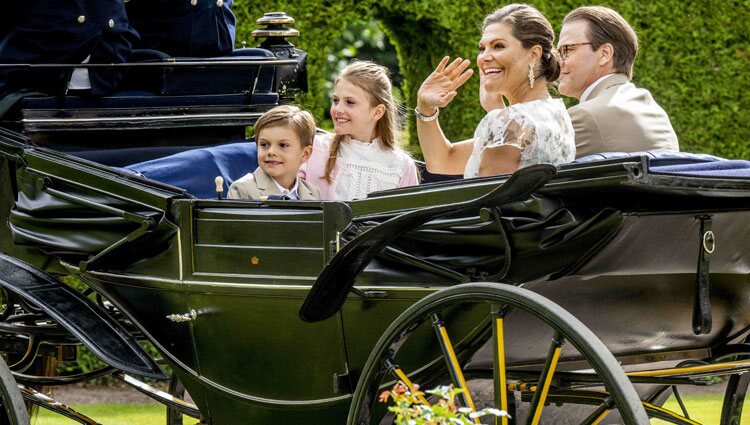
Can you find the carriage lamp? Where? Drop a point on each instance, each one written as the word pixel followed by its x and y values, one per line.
pixel 291 81
pixel 275 32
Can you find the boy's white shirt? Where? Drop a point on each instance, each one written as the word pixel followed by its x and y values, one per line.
pixel 292 193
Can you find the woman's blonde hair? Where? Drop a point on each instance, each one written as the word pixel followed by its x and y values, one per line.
pixel 375 81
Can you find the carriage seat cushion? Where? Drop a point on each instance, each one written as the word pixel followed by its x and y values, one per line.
pixel 203 78
pixel 681 163
pixel 655 158
pixel 195 170
pixel 172 87
pixel 142 100
pixel 725 168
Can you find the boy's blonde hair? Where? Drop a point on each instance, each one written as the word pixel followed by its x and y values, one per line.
pixel 299 120
pixel 375 81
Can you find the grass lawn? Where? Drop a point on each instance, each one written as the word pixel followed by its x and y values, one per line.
pixel 112 414
pixel 705 409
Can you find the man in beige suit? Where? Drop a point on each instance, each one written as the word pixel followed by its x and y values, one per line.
pixel 598 47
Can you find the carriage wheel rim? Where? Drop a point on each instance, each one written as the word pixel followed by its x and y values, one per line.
pixel 554 316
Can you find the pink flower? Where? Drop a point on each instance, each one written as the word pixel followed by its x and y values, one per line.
pixel 399 388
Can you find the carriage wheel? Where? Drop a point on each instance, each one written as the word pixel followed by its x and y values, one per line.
pixel 734 395
pixel 734 398
pixel 13 408
pixel 498 300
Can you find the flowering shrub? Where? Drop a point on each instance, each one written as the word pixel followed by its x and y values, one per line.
pixel 410 410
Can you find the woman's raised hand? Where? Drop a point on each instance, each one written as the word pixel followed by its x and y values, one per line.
pixel 439 89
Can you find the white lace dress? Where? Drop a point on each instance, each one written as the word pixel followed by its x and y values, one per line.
pixel 541 129
pixel 367 167
pixel 361 168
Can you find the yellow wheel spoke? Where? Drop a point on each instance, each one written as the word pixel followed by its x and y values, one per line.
pixel 501 385
pixel 545 379
pixel 405 379
pixel 454 367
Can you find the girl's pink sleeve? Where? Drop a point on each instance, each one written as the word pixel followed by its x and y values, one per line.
pixel 313 163
pixel 315 166
pixel 312 171
pixel 410 177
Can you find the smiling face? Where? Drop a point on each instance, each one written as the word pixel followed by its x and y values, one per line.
pixel 280 154
pixel 581 67
pixel 352 112
pixel 502 60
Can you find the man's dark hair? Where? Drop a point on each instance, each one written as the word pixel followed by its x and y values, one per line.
pixel 607 26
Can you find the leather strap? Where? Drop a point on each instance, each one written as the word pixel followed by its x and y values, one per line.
pixel 702 304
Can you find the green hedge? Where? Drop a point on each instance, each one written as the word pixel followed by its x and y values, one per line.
pixel 694 56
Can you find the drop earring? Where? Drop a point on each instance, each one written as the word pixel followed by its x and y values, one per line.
pixel 531 76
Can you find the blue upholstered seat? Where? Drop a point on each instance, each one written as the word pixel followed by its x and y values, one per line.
pixel 654 158
pixel 180 86
pixel 203 78
pixel 681 163
pixel 724 168
pixel 140 99
pixel 195 170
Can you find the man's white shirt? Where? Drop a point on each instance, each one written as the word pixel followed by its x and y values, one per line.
pixel 589 89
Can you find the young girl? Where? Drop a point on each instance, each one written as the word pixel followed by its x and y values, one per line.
pixel 363 154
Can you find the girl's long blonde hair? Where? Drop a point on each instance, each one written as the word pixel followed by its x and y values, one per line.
pixel 374 80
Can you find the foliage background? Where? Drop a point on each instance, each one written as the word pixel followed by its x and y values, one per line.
pixel 694 55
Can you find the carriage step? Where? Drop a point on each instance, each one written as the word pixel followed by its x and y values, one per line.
pixel 50 404
pixel 162 397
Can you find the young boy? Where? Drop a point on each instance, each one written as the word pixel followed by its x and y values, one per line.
pixel 284 136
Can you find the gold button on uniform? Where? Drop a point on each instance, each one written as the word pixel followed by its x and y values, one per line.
pixel 193 2
pixel 81 19
pixel 220 3
pixel 111 23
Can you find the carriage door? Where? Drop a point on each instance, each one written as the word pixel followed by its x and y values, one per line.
pixel 252 266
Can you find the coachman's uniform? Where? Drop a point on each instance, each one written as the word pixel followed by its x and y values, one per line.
pixel 200 28
pixel 63 31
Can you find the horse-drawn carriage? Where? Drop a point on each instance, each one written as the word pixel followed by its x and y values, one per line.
pixel 586 293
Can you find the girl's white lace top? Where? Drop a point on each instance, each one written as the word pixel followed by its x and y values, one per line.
pixel 367 167
pixel 360 168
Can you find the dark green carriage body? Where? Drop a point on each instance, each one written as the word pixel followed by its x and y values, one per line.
pixel 217 285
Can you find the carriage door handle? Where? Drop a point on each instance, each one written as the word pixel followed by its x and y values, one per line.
pixel 185 317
